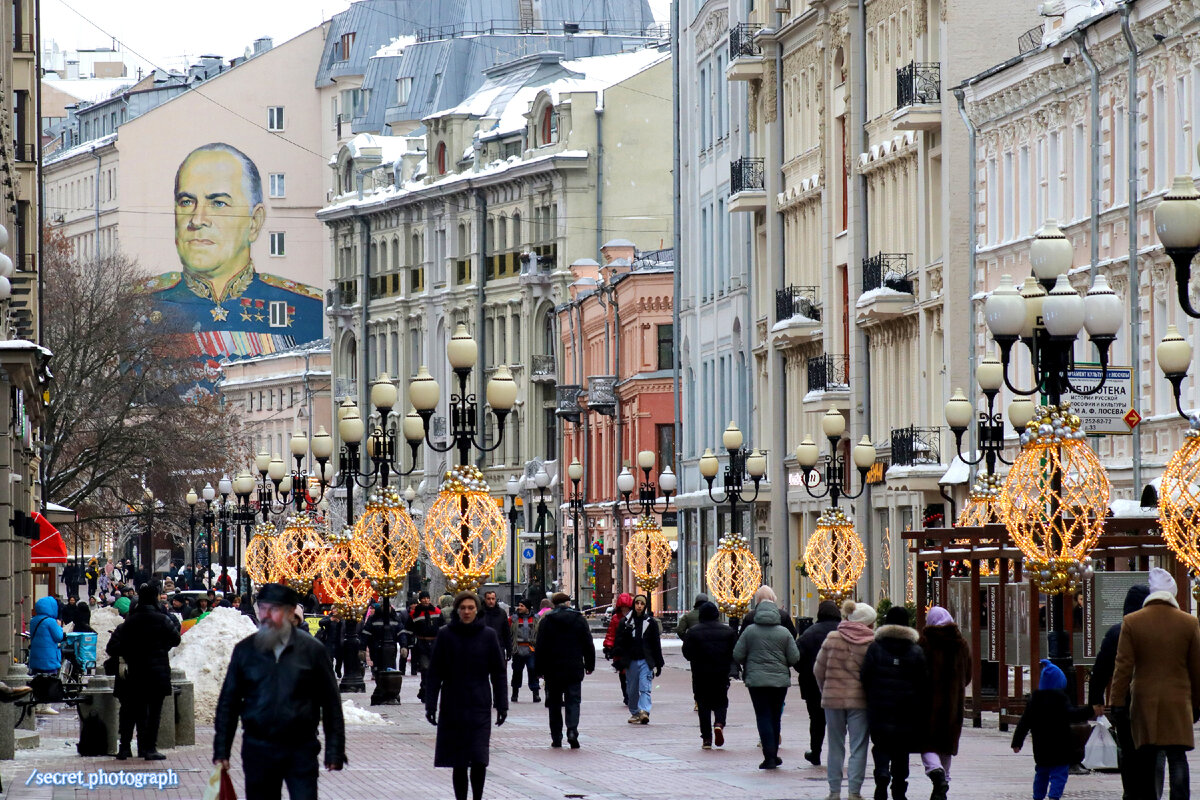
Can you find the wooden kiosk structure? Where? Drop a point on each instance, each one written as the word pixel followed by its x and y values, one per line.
pixel 1127 543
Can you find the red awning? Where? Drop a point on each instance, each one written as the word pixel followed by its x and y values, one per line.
pixel 48 548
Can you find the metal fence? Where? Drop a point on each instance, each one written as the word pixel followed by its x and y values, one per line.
pixel 791 301
pixel 827 372
pixel 741 41
pixel 1030 39
pixel 887 270
pixel 747 174
pixel 543 366
pixel 913 445
pixel 919 83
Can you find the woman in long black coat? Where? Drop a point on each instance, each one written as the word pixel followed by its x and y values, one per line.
pixel 467 671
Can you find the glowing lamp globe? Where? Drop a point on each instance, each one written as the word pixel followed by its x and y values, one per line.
pixel 733 574
pixel 465 533
pixel 1179 500
pixel 834 556
pixel 648 553
pixel 385 543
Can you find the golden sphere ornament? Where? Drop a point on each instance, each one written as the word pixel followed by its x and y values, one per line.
pixel 734 574
pixel 298 552
pixel 648 552
pixel 386 543
pixel 465 532
pixel 258 553
pixel 1179 499
pixel 834 556
pixel 343 579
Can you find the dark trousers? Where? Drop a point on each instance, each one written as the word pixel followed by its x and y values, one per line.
pixel 521 664
pixel 142 711
pixel 268 766
pixel 560 696
pixel 891 764
pixel 712 702
pixel 768 713
pixel 816 722
pixel 1150 778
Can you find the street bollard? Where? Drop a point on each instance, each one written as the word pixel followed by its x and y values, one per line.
pixel 166 723
pixel 8 740
pixel 98 717
pixel 18 675
pixel 185 708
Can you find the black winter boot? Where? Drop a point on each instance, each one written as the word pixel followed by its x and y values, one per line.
pixel 940 785
pixel 516 690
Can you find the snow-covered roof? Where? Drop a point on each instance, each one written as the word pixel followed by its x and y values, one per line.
pixel 395 47
pixel 959 472
pixel 91 90
pixel 85 147
pixel 390 147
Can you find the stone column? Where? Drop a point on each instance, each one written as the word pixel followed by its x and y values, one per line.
pixel 185 708
pixel 18 675
pixel 166 723
pixel 98 717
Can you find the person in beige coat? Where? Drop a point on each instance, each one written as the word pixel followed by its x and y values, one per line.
pixel 838 671
pixel 1158 673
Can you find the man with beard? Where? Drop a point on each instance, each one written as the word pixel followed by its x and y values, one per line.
pixel 281 684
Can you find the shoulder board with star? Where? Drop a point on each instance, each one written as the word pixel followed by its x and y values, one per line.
pixel 290 285
pixel 158 283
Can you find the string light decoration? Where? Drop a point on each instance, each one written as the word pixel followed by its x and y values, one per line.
pixel 386 543
pixel 298 552
pixel 986 503
pixel 734 574
pixel 648 553
pixel 258 553
pixel 343 577
pixel 1179 502
pixel 465 533
pixel 835 556
pixel 1057 498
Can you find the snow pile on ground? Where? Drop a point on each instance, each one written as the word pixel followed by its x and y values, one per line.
pixel 205 652
pixel 104 621
pixel 353 715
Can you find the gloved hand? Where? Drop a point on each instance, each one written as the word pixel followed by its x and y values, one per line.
pixel 657 671
pixel 607 653
pixel 431 717
pixel 501 716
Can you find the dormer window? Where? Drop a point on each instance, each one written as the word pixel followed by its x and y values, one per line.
pixel 548 130
pixel 440 158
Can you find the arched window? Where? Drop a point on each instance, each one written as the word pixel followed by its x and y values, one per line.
pixel 549 131
pixel 516 230
pixel 440 159
pixel 501 234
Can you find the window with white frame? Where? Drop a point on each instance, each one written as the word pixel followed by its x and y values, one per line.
pixel 993 202
pixel 1010 197
pixel 276 185
pixel 1159 143
pixel 277 243
pixel 1118 173
pixel 274 118
pixel 403 89
pixel 1182 129
pixel 279 317
pixel 1054 208
pixel 1079 174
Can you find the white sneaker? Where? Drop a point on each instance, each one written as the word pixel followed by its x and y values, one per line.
pixel 46 710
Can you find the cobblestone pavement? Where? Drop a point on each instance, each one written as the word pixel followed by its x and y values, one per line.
pixel 662 760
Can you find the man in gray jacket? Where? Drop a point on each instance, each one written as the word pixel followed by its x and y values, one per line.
pixel 767 651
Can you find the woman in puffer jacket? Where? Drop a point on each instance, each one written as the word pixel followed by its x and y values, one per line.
pixel 767 651
pixel 839 675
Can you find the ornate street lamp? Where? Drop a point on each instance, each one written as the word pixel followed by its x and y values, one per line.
pixel 349 586
pixel 192 499
pixel 575 506
pixel 279 487
pixel 541 480
pixel 513 490
pixel 1177 222
pixel 834 555
pixel 464 529
pixel 742 464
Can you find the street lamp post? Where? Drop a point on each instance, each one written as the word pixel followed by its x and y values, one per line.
pixel 192 499
pixel 512 489
pixel 833 425
pixel 647 490
pixel 541 479
pixel 575 504
pixel 1177 222
pixel 742 464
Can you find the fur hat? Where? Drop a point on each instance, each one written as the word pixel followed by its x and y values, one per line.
pixel 859 612
pixel 896 615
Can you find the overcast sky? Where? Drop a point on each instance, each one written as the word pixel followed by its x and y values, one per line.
pixel 172 34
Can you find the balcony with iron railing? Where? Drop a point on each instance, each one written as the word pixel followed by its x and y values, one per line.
pixel 747 184
pixel 797 315
pixel 1030 39
pixel 745 54
pixel 916 447
pixel 828 382
pixel 536 266
pixel 888 289
pixel 543 368
pixel 918 96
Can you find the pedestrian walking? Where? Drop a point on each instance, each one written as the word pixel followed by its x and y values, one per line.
pixel 523 633
pixel 895 680
pixel 466 673
pixel 620 609
pixel 948 657
pixel 424 623
pixel 709 649
pixel 838 671
pixel 565 653
pixel 92 576
pixel 691 617
pixel 810 643
pixel 330 631
pixel 1048 716
pixel 280 684
pixel 767 652
pixel 143 641
pixel 638 650
pixel 1102 672
pixel 1157 674
pixel 765 592
pixel 496 618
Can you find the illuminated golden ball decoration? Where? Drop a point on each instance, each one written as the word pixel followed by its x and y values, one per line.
pixel 648 552
pixel 386 542
pixel 1179 502
pixel 1057 498
pixel 298 552
pixel 258 553
pixel 985 504
pixel 465 532
pixel 835 556
pixel 733 574
pixel 343 578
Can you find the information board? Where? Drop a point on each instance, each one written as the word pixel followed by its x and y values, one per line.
pixel 1105 411
pixel 1104 605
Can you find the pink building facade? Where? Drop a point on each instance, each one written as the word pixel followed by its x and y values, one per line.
pixel 618 348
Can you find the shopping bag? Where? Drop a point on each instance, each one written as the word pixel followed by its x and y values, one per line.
pixel 1100 752
pixel 220 786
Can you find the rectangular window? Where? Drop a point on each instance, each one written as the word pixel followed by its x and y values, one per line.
pixel 276 185
pixel 992 194
pixel 1118 174
pixel 1182 156
pixel 1010 190
pixel 666 347
pixel 1079 173
pixel 403 88
pixel 346 44
pixel 277 243
pixel 1159 143
pixel 1026 189
pixel 279 319
pixel 1052 175
pixel 664 443
pixel 274 118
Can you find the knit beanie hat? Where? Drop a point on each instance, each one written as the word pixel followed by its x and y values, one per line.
pixel 859 612
pixel 896 615
pixel 1052 677
pixel 1161 581
pixel 938 616
pixel 708 612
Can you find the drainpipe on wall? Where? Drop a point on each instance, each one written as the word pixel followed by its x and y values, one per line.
pixel 972 264
pixel 620 442
pixel 1135 308
pixel 99 161
pixel 1080 38
pixel 780 412
pixel 858 140
pixel 364 316
pixel 677 244
pixel 480 297
pixel 600 172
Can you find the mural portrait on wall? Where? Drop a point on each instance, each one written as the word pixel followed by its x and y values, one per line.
pixel 230 308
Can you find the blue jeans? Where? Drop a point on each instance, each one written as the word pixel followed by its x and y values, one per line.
pixel 1053 777
pixel 838 723
pixel 639 678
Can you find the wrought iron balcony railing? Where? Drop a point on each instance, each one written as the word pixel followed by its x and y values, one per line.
pixel 747 175
pixel 912 446
pixel 741 41
pixel 543 366
pixel 828 372
pixel 792 301
pixel 887 270
pixel 1030 39
pixel 919 83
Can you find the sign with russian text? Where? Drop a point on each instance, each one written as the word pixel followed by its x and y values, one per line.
pixel 1105 411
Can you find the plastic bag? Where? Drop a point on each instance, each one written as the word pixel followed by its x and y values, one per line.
pixel 220 786
pixel 1100 752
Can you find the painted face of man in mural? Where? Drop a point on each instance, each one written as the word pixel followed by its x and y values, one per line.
pixel 216 216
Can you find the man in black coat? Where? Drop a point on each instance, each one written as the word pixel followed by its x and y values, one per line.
pixel 143 640
pixel 709 647
pixel 330 631
pixel 828 618
pixel 493 616
pixel 280 683
pixel 895 680
pixel 565 653
pixel 1102 673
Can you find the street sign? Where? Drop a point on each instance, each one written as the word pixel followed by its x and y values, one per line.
pixel 1106 411
pixel 162 560
pixel 528 554
pixel 813 479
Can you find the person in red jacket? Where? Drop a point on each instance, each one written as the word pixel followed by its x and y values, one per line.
pixel 620 609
